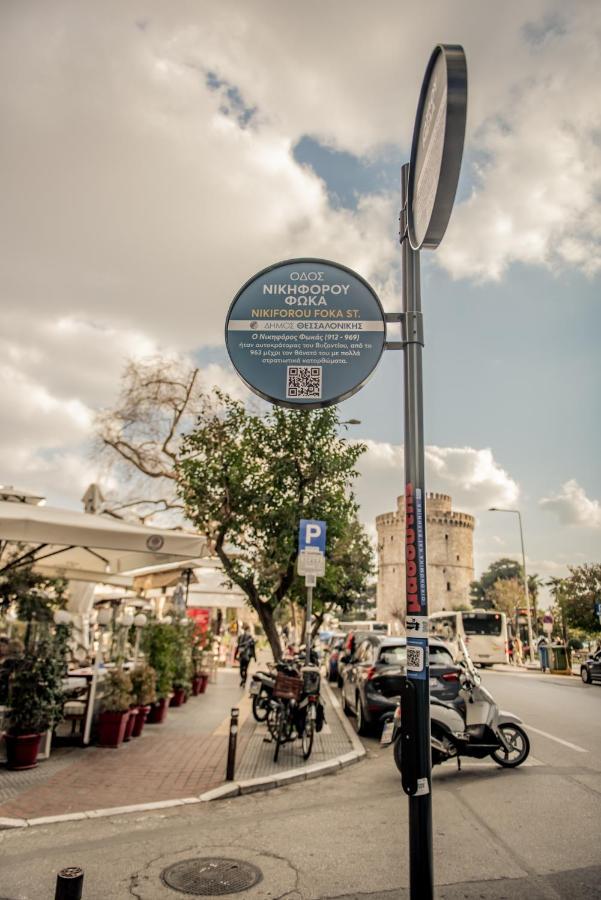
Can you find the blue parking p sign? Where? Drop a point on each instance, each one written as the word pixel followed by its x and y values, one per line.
pixel 312 535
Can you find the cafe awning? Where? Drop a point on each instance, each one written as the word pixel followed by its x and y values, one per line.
pixel 80 545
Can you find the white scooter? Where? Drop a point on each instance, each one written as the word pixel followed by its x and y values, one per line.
pixel 476 727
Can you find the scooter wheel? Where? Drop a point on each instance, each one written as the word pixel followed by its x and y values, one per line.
pixel 517 738
pixel 396 750
pixel 260 708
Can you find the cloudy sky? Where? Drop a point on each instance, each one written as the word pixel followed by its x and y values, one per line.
pixel 155 155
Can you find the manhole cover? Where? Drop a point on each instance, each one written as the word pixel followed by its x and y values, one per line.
pixel 211 876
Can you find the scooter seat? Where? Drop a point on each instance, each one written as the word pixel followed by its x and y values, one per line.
pixel 264 678
pixel 434 701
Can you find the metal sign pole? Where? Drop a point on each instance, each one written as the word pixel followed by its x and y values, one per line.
pixel 416 782
pixel 309 614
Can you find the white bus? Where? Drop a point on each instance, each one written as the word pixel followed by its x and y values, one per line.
pixel 483 630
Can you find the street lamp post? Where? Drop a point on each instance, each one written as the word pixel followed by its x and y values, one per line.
pixel 526 592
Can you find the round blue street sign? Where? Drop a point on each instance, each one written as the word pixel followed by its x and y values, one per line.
pixel 305 333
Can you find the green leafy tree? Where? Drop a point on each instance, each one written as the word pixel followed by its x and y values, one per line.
pixel 576 595
pixel 506 595
pixel 247 480
pixel 502 569
pixel 36 597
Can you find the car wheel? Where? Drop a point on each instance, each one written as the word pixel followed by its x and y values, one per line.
pixel 584 674
pixel 362 724
pixel 345 707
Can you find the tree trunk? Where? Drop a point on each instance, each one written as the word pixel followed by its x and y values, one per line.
pixel 265 614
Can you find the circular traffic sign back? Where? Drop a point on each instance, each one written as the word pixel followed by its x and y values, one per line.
pixel 305 333
pixel 437 146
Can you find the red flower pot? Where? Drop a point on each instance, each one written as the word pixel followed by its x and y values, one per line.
pixel 196 683
pixel 178 696
pixel 139 720
pixel 158 712
pixel 133 714
pixel 204 680
pixel 111 728
pixel 22 750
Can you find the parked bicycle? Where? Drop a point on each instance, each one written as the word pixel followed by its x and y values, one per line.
pixel 296 710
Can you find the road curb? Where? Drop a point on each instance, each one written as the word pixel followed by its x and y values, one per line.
pixel 223 791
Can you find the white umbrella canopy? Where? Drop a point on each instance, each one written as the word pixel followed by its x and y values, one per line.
pixel 80 545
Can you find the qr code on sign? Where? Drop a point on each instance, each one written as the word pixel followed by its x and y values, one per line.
pixel 415 659
pixel 303 382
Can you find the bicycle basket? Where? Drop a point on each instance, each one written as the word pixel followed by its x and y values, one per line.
pixel 287 687
pixel 311 680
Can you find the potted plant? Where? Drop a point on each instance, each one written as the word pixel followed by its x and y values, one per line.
pixel 182 671
pixel 200 668
pixel 36 700
pixel 144 680
pixel 115 703
pixel 159 648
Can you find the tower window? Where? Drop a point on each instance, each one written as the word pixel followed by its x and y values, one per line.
pixel 448 585
pixel 446 537
pixel 457 557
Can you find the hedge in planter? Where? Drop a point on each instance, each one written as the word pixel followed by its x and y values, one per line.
pixel 182 673
pixel 115 703
pixel 36 699
pixel 160 649
pixel 144 680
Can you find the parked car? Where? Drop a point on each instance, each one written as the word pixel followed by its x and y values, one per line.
pixel 591 669
pixel 352 641
pixel 331 653
pixel 372 679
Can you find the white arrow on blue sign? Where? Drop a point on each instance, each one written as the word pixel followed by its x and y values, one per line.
pixel 312 535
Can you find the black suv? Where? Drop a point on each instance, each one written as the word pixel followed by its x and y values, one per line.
pixel 372 678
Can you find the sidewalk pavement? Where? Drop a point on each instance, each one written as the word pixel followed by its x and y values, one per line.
pixel 182 760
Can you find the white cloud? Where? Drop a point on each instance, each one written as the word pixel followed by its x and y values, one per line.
pixel 573 507
pixel 472 477
pixel 536 197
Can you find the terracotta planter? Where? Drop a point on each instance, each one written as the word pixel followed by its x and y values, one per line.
pixel 111 728
pixel 196 682
pixel 22 750
pixel 133 714
pixel 139 720
pixel 178 696
pixel 158 712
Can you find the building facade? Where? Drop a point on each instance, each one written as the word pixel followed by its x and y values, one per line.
pixel 450 558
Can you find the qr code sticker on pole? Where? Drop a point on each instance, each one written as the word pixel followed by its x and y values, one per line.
pixel 415 659
pixel 303 382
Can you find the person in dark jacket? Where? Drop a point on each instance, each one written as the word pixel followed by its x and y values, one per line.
pixel 245 651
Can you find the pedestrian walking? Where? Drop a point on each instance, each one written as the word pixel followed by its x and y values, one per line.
pixel 510 649
pixel 518 651
pixel 245 651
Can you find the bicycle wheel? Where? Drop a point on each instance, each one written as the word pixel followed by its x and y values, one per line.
pixel 307 736
pixel 272 719
pixel 280 736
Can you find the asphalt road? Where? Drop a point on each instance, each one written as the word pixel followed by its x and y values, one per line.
pixel 529 833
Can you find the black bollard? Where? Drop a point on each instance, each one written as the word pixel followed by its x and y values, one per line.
pixel 231 750
pixel 69 884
